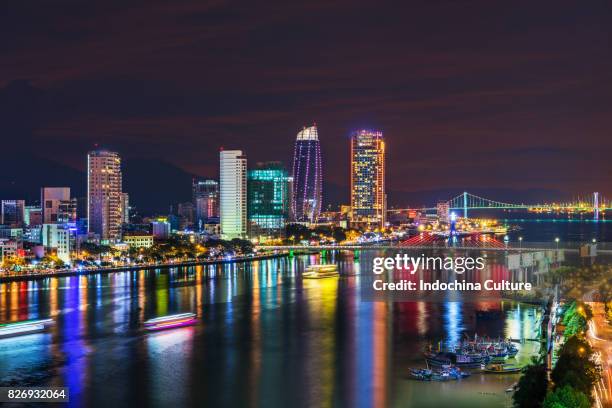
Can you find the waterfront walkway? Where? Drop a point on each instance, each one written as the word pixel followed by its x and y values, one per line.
pixel 21 276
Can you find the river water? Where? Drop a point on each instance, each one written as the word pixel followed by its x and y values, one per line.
pixel 265 337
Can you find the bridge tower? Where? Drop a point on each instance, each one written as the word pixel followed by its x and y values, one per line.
pixel 596 205
pixel 465 204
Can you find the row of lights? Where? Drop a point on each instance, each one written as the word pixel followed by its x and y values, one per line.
pixel 507 239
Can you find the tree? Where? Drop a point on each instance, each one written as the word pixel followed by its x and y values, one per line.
pixel 531 386
pixel 577 324
pixel 574 366
pixel 243 246
pixel 566 397
pixel 338 234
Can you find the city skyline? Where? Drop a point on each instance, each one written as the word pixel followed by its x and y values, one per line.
pixel 477 95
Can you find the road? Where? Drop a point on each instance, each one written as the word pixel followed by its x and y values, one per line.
pixel 600 337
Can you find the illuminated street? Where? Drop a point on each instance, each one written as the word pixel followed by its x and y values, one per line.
pixel 600 336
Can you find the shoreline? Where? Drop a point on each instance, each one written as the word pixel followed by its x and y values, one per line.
pixel 73 272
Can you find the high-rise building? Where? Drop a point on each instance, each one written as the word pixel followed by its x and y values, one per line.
pixel 57 206
pixel 205 200
pixel 161 228
pixel 12 212
pixel 186 214
pixel 443 211
pixel 307 176
pixel 268 199
pixel 368 199
pixel 104 184
pixel 233 194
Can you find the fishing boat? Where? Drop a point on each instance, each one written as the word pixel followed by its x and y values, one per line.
pixel 512 350
pixel 170 321
pixel 502 369
pixel 23 327
pixel 321 271
pixel 453 359
pixel 498 357
pixel 421 374
pixel 445 374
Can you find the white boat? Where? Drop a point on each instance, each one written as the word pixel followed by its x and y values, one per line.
pixel 321 271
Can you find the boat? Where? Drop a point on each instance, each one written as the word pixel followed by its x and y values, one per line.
pixel 318 271
pixel 445 374
pixel 23 327
pixel 502 369
pixel 453 359
pixel 170 321
pixel 499 357
pixel 421 374
pixel 512 350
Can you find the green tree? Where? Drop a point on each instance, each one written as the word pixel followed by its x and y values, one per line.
pixel 566 397
pixel 531 386
pixel 574 366
pixel 338 234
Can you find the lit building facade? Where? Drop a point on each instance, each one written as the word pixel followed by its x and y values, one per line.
pixel 205 200
pixel 60 238
pixel 233 194
pixel 12 212
pixel 307 176
pixel 32 216
pixel 268 199
pixel 57 206
pixel 161 228
pixel 368 198
pixel 104 185
pixel 125 208
pixel 139 241
pixel 443 211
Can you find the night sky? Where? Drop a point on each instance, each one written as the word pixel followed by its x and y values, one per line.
pixel 469 94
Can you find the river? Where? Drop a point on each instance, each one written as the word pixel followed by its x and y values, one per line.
pixel 265 337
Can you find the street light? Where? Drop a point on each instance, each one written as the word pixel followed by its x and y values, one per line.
pixel 557 241
pixel 521 243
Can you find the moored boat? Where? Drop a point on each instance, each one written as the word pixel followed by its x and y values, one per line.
pixel 446 373
pixel 23 327
pixel 501 369
pixel 170 321
pixel 454 359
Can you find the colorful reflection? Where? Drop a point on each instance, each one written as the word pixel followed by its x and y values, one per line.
pixel 260 329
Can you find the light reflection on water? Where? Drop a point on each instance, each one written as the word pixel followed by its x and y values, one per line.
pixel 265 337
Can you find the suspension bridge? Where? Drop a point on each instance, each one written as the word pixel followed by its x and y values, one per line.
pixel 465 201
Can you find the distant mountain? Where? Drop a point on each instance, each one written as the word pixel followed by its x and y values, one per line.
pixel 22 177
pixel 153 185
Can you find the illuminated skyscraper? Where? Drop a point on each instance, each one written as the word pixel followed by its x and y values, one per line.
pixel 307 176
pixel 368 199
pixel 104 184
pixel 233 194
pixel 205 200
pixel 268 199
